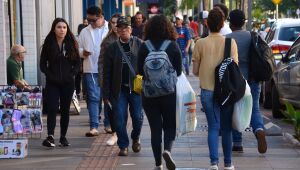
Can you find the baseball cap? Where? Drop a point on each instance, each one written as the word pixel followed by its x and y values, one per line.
pixel 179 17
pixel 204 14
pixel 123 21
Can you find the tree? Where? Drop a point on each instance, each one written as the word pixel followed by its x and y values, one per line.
pixel 169 7
pixel 188 4
pixel 284 6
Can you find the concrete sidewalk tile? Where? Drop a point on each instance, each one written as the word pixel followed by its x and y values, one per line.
pixel 190 151
pixel 288 163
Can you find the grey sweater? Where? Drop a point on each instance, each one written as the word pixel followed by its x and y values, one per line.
pixel 243 41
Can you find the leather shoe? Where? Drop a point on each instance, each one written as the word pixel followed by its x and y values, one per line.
pixel 136 145
pixel 123 152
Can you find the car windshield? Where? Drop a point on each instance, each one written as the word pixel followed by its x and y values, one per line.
pixel 289 33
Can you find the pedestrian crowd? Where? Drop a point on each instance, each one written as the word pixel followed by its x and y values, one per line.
pixel 107 55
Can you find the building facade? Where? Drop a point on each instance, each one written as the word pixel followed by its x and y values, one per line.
pixel 27 23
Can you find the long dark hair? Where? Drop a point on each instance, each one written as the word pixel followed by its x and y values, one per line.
pixel 71 45
pixel 159 27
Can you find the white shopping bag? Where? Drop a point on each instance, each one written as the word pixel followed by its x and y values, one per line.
pixel 242 111
pixel 186 120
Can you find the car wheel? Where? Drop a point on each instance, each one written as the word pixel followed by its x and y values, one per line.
pixel 276 106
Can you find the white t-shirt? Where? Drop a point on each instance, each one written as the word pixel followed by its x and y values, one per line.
pixel 225 29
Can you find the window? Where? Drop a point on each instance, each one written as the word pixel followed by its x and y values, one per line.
pixel 294 52
pixel 289 33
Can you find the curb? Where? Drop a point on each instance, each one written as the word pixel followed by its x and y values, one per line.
pixel 291 139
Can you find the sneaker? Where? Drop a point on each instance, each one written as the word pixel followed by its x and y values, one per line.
pixel 108 130
pixel 123 152
pixel 160 167
pixel 136 145
pixel 63 142
pixel 112 140
pixel 49 142
pixel 213 167
pixel 238 149
pixel 261 141
pixel 92 133
pixel 170 163
pixel 231 167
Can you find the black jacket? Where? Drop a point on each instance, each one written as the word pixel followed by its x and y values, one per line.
pixel 57 67
pixel 112 68
pixel 109 39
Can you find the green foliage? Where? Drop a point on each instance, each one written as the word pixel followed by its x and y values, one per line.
pixel 266 5
pixel 188 4
pixel 170 7
pixel 257 14
pixel 293 116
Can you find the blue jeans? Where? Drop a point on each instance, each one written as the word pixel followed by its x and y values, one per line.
pixel 93 93
pixel 256 117
pixel 120 108
pixel 218 118
pixel 185 62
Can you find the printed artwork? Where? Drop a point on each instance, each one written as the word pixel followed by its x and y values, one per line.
pixel 1 126
pixel 26 122
pixel 20 112
pixel 36 120
pixel 6 121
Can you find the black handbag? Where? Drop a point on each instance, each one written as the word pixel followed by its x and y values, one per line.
pixel 229 82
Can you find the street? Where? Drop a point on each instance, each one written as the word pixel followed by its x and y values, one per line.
pixel 190 151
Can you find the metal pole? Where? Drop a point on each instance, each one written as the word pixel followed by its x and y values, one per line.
pixel 249 24
pixel 276 11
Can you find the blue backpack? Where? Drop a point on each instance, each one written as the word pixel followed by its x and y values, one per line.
pixel 159 75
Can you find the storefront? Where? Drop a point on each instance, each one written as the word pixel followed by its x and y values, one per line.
pixel 27 23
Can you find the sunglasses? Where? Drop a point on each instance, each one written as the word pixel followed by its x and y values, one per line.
pixel 92 20
pixel 22 52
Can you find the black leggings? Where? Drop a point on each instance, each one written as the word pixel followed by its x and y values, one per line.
pixel 161 114
pixel 59 98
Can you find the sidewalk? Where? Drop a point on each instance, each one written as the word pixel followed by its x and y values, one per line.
pixel 189 151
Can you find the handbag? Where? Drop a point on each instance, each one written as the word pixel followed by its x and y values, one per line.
pixel 229 82
pixel 186 118
pixel 137 82
pixel 242 111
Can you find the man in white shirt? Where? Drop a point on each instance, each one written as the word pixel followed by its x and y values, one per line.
pixel 90 39
pixel 225 29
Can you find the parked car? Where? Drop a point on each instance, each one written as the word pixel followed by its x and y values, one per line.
pixel 282 34
pixel 285 83
pixel 280 37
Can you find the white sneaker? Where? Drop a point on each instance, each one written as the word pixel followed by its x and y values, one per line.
pixel 170 163
pixel 112 140
pixel 93 132
pixel 229 168
pixel 213 167
pixel 158 168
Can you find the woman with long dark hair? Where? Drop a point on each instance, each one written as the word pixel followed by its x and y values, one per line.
pixel 161 111
pixel 60 62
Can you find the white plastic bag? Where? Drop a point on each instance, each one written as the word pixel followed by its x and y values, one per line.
pixel 186 119
pixel 242 111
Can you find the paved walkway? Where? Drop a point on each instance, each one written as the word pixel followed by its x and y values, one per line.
pixel 190 151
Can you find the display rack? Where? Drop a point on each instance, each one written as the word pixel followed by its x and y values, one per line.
pixel 20 112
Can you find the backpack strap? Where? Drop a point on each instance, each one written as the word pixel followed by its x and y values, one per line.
pixel 124 56
pixel 149 46
pixel 227 49
pixel 164 45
